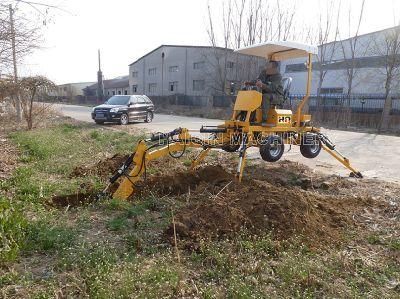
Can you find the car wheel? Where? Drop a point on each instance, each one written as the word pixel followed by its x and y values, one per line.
pixel 124 120
pixel 310 147
pixel 149 117
pixel 272 148
pixel 99 122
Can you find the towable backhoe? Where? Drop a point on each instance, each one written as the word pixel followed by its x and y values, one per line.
pixel 245 129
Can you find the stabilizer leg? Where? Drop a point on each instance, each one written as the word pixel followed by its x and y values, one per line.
pixel 200 158
pixel 342 159
pixel 242 159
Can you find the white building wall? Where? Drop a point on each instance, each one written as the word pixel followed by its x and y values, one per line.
pixel 365 80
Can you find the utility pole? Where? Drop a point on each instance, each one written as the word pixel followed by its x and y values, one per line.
pixel 100 86
pixel 14 58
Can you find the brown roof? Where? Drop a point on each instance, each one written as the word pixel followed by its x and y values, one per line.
pixel 119 82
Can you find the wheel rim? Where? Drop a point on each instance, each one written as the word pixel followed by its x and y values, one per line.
pixel 314 148
pixel 124 119
pixel 274 150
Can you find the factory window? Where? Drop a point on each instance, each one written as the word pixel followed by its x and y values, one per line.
pixel 152 71
pixel 198 65
pixel 230 64
pixel 134 74
pixel 134 88
pixel 152 87
pixel 198 85
pixel 297 67
pixel 173 86
pixel 173 69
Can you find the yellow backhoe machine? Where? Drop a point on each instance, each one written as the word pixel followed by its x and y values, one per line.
pixel 244 130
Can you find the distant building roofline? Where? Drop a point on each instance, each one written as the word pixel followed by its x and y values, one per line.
pixel 71 83
pixel 362 35
pixel 118 82
pixel 180 46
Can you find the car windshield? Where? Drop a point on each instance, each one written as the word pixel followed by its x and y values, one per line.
pixel 118 100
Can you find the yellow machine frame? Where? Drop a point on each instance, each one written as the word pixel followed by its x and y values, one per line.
pixel 245 122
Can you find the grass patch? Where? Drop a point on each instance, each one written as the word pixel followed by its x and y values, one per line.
pixel 50 155
pixel 117 249
pixel 117 223
pixel 12 229
pixel 42 236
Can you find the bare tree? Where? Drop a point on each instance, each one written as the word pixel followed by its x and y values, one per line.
pixel 326 38
pixel 18 39
pixel 33 89
pixel 244 22
pixel 388 48
pixel 217 63
pixel 351 47
pixel 20 32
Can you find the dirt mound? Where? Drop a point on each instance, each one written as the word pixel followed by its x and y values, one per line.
pixel 187 181
pixel 102 168
pixel 218 208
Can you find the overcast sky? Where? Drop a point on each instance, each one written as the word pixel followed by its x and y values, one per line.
pixel 125 30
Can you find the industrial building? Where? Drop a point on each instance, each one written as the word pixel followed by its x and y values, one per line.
pixel 116 86
pixel 364 54
pixel 191 71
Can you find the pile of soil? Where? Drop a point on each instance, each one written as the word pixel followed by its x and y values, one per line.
pixel 218 206
pixel 185 181
pixel 102 168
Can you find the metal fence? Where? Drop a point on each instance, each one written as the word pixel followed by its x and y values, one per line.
pixel 357 103
pixel 180 100
pixel 343 111
pixel 333 110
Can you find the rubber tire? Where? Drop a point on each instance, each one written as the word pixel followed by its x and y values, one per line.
pixel 122 121
pixel 99 122
pixel 147 119
pixel 308 150
pixel 265 149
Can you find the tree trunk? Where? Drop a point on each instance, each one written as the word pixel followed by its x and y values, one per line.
pixel 385 118
pixel 14 58
pixel 30 118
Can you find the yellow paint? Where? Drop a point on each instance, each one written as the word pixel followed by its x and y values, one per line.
pixel 248 102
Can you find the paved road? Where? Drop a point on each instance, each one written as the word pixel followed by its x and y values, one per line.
pixel 376 156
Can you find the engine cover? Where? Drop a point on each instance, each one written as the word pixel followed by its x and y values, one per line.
pixel 279 117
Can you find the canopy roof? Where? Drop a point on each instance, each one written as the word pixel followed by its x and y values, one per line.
pixel 280 50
